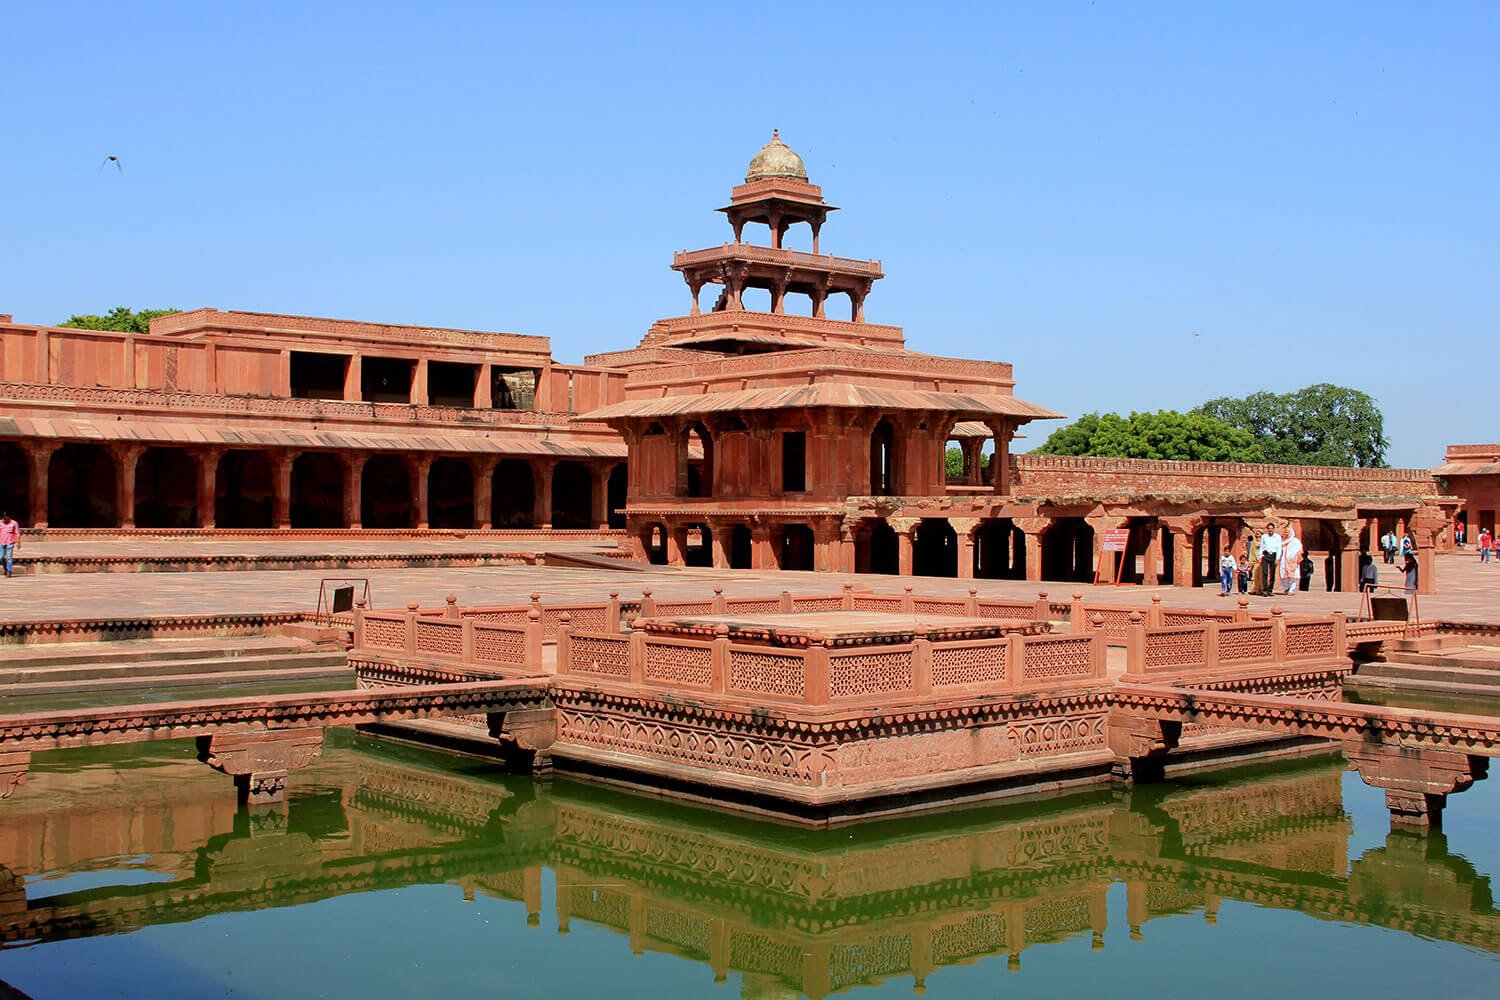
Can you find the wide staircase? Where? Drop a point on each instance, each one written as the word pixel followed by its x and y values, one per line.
pixel 1452 664
pixel 95 673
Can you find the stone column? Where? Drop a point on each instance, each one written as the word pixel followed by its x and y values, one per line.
pixel 127 456
pixel 420 470
pixel 281 488
pixel 1182 549
pixel 676 544
pixel 1349 553
pixel 353 380
pixel 761 556
pixel 419 394
pixel 541 511
pixel 484 491
pixel 41 464
pixel 964 528
pixel 903 527
pixel 208 485
pixel 1151 562
pixel 826 546
pixel 1105 567
pixel 719 533
pixel 599 495
pixel 1031 533
pixel 1000 463
pixel 679 437
pixel 353 466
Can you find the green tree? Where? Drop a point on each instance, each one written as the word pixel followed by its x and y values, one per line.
pixel 119 319
pixel 1322 424
pixel 1165 434
pixel 953 462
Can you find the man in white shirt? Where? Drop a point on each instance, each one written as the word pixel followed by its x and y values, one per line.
pixel 1270 555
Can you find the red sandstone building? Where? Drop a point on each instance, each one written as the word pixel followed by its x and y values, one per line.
pixel 1471 472
pixel 752 438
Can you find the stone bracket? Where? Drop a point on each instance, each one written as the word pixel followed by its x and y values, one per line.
pixel 1140 745
pixel 529 733
pixel 261 761
pixel 13 767
pixel 1417 781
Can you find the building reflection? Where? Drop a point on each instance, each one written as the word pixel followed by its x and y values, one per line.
pixel 790 910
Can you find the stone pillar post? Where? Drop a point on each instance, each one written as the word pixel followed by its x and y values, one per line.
pixel 41 464
pixel 541 511
pixel 904 528
pixel 1105 566
pixel 1031 534
pixel 599 495
pixel 208 485
pixel 1182 549
pixel 281 488
pixel 484 387
pixel 963 528
pixel 1425 527
pixel 419 383
pixel 127 456
pixel 1151 562
pixel 719 532
pixel 761 554
pixel 484 491
pixel 352 465
pixel 420 471
pixel 354 380
pixel 1000 462
pixel 826 546
pixel 679 436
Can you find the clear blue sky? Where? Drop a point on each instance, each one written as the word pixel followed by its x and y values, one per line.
pixel 1074 187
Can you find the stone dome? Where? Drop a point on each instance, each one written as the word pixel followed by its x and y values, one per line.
pixel 776 160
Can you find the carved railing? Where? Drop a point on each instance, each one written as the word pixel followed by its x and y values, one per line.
pixel 1218 645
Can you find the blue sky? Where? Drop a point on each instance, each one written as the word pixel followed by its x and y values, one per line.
pixel 1139 205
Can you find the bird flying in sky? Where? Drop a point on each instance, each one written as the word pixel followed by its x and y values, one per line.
pixel 115 160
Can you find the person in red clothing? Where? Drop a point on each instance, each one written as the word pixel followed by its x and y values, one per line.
pixel 10 540
pixel 1485 541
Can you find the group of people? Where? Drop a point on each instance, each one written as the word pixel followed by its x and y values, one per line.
pixel 1486 542
pixel 1277 559
pixel 1392 548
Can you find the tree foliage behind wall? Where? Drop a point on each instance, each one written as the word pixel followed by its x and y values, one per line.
pixel 119 319
pixel 1165 434
pixel 1322 424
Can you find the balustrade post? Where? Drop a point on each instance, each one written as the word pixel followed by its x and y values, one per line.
pixel 612 612
pixel 359 624
pixel 411 627
pixel 648 604
pixel 534 638
pixel 786 601
pixel 848 604
pixel 719 660
pixel 971 604
pixel 1099 652
pixel 1077 617
pixel 1242 612
pixel 1043 611
pixel 815 665
pixel 921 661
pixel 451 609
pixel 637 652
pixel 1278 634
pixel 1340 634
pixel 1015 656
pixel 564 643
pixel 719 606
pixel 1135 645
pixel 466 639
pixel 1154 617
pixel 908 606
pixel 1211 646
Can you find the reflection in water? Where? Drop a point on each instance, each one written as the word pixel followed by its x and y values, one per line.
pixel 784 910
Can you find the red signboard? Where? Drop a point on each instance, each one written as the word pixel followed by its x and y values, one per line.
pixel 1116 539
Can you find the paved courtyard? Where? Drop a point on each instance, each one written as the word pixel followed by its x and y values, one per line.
pixel 1468 590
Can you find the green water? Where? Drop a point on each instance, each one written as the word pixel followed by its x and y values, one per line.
pixel 152 694
pixel 395 872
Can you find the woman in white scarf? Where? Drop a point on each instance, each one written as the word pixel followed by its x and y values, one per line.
pixel 1291 560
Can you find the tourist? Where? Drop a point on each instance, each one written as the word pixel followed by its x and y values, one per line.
pixel 1270 555
pixel 1307 571
pixel 1369 576
pixel 1410 569
pixel 1407 548
pixel 1458 533
pixel 1388 547
pixel 1229 567
pixel 1485 540
pixel 10 540
pixel 1291 560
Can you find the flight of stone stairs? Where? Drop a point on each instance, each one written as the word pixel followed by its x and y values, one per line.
pixel 1453 664
pixel 260 662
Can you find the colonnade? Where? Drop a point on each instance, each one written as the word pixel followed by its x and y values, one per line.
pixel 129 485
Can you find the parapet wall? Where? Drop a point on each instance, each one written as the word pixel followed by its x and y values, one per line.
pixel 1103 478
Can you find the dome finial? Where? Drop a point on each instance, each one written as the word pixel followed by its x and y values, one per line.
pixel 776 160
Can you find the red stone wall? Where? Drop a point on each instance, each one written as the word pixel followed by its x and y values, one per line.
pixel 1065 475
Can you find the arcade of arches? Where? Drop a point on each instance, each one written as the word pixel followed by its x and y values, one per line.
pixel 78 485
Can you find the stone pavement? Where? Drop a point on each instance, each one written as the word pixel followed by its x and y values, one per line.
pixel 1469 590
pixel 178 545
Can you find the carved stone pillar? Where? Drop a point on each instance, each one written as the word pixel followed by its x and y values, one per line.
pixel 964 528
pixel 761 554
pixel 1348 534
pixel 826 554
pixel 281 488
pixel 1183 564
pixel 903 527
pixel 1151 561
pixel 676 544
pixel 420 470
pixel 1032 529
pixel 352 465
pixel 484 492
pixel 541 511
pixel 260 762
pixel 41 464
pixel 719 532
pixel 1000 463
pixel 126 455
pixel 599 495
pixel 208 484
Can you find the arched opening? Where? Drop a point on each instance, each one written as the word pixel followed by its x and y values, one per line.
pixel 450 494
pixel 243 490
pixel 386 493
pixel 934 548
pixel 619 480
pixel 1325 545
pixel 15 482
pixel 1210 542
pixel 883 459
pixel 741 548
pixel 999 550
pixel 795 547
pixel 654 542
pixel 165 489
pixel 82 488
pixel 572 496
pixel 317 491
pixel 700 470
pixel 1068 551
pixel 513 488
pixel 698 548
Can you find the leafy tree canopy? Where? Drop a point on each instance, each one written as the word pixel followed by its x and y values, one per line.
pixel 953 462
pixel 1164 434
pixel 119 319
pixel 1321 425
